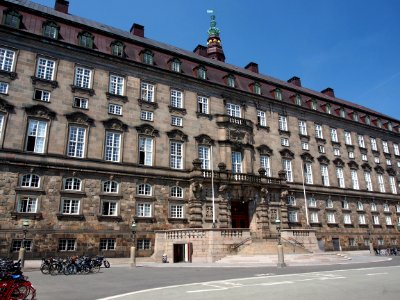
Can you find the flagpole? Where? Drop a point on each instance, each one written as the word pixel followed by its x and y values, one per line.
pixel 212 186
pixel 305 197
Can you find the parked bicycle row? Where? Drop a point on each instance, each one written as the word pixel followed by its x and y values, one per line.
pixel 387 251
pixel 73 265
pixel 13 284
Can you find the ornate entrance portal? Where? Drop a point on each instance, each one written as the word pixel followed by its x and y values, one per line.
pixel 240 214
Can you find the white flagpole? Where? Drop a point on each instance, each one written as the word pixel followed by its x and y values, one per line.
pixel 212 186
pixel 305 197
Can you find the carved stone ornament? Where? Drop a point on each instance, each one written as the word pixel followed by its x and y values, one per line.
pixel 196 164
pixel 323 160
pixel 115 124
pixel 5 106
pixel 352 164
pixel 338 162
pixel 307 157
pixel 40 111
pixel 177 135
pixel 391 171
pixel 147 129
pixel 196 189
pixel 80 118
pixel 236 136
pixel 204 139
pixel 286 153
pixel 366 167
pixel 379 170
pixel 264 150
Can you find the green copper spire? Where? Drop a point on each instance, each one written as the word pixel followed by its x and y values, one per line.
pixel 213 30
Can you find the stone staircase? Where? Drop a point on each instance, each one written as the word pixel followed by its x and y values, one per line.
pixel 269 247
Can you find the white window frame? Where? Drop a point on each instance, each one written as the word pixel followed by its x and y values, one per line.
pixel 314 217
pixel 30 181
pixel 110 186
pixel 115 109
pixel 45 68
pixel 233 110
pixel 308 175
pixel 291 200
pixel 144 210
pixel 340 177
pixel 176 121
pixel 80 102
pixel 261 119
pixel 237 162
pixel 381 183
pixel 368 181
pixel 27 204
pixel 146 145
pixel 360 205
pixel 392 184
pixel 41 95
pixel 284 141
pixel 176 98
pixel 112 148
pixel 293 216
pixel 204 156
pixel 388 220
pixel 109 208
pixel 336 151
pixel 65 245
pixel 330 218
pixel 347 219
pixel 386 207
pixel 351 154
pixel 385 147
pixel 144 189
pixel 396 149
pixel 373 206
pixel 325 175
pixel 361 141
pixel 265 162
pixel 305 146
pixel 37 131
pixel 202 105
pixel 83 77
pixel 302 127
pixel 70 206
pixel 318 131
pixel 176 211
pixel 345 204
pixel 3 87
pixel 176 155
pixel 312 202
pixel 375 220
pixel 287 167
pixel 354 179
pixel 7 60
pixel 374 145
pixel 147 91
pixel 146 115
pixel 321 149
pixel 283 123
pixel 176 192
pixel 334 135
pixel 116 85
pixel 329 203
pixel 72 184
pixel 76 141
pixel 107 244
pixel 347 138
pixel 364 157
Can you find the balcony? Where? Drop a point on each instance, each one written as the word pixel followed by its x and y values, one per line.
pixel 241 177
pixel 227 121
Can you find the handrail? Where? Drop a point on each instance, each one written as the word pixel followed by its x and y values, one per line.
pixel 295 242
pixel 235 246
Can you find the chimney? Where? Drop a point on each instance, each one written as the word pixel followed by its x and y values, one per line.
pixel 329 92
pixel 295 80
pixel 61 6
pixel 201 50
pixel 252 66
pixel 137 30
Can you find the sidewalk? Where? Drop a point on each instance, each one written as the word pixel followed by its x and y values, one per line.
pixel 327 258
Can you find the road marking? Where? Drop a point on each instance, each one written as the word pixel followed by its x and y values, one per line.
pixel 373 274
pixel 266 274
pixel 276 283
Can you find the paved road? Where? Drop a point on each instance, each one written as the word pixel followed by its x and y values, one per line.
pixel 120 280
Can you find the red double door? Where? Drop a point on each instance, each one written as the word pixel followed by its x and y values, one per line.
pixel 240 214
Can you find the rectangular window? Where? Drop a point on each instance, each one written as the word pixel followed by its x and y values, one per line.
pixel 381 183
pixel 80 103
pixel 381 242
pixel 107 244
pixel 285 142
pixel 314 217
pixel 236 162
pixel 66 245
pixel 375 220
pixel 302 127
pixel 116 85
pixel 83 77
pixel 345 204
pixel 176 99
pixel 36 137
pixel 291 200
pixel 233 110
pixel 3 87
pixel 7 60
pixel 115 109
pixel 377 159
pixel 361 142
pixel 396 149
pixel 204 156
pixel 336 151
pixel 146 115
pixel 321 149
pixel 347 219
pixel 109 208
pixel 340 177
pixel 283 123
pixel 176 155
pixel 318 131
pixel 202 105
pixel 392 183
pixel 70 206
pixel 42 95
pixel 292 216
pixel 143 210
pixel 351 154
pixel 354 179
pixel 334 135
pixel 176 211
pixel 308 173
pixel 388 220
pixel 45 68
pixel 388 162
pixel 27 204
pixel 113 146
pixel 352 242
pixel 385 147
pixel 147 92
pixel 265 163
pixel 17 244
pixel 347 138
pixel 176 121
pixel 146 151
pixel 325 175
pixel 312 202
pixel 364 157
pixel 331 217
pixel 261 119
pixel 368 181
pixel 287 167
pixel 143 244
pixel 76 141
pixel 374 146
pixel 305 146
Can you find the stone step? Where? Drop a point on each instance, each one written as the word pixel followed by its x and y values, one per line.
pixel 263 247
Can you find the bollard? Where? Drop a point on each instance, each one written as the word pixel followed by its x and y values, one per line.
pixel 281 258
pixel 371 249
pixel 21 256
pixel 132 259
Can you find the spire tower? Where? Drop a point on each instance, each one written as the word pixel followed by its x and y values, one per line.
pixel 214 47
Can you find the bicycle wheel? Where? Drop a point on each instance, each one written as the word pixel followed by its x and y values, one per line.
pixel 19 291
pixel 54 269
pixel 45 269
pixel 106 263
pixel 96 269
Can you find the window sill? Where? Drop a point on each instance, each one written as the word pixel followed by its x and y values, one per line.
pixel 37 80
pixel 102 218
pixel 145 219
pixel 320 140
pixel 66 217
pixel 66 192
pixel 117 97
pixel 75 88
pixel 333 224
pixel 313 208
pixel 177 220
pixel 266 128
pixel 30 190
pixel 335 143
pixel 204 115
pixel 304 137
pixel 284 132
pixel 348 225
pixel 178 110
pixel 363 225
pixel 147 105
pixel 330 208
pixel 110 195
pixel 11 75
pixel 145 198
pixel 31 216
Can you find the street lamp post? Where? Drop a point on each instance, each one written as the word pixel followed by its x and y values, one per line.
pixel 133 248
pixel 22 249
pixel 281 258
pixel 371 246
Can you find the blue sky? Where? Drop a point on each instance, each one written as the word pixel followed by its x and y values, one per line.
pixel 352 46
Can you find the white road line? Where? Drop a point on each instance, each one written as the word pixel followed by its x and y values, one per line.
pixel 373 274
pixel 276 283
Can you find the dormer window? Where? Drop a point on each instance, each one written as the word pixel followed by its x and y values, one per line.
pixel 201 73
pixel 176 65
pixel 230 81
pixel 355 117
pixel 278 94
pixel 117 49
pixel 379 123
pixel 51 30
pixel 148 58
pixel 342 113
pixel 314 104
pixel 257 88
pixel 389 126
pixel 298 100
pixel 328 109
pixel 12 18
pixel 367 120
pixel 86 40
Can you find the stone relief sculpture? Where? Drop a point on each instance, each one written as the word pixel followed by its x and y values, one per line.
pixel 196 190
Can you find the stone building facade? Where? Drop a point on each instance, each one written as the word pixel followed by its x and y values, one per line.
pixel 100 127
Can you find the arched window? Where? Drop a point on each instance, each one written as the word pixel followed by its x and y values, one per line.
pixel 30 180
pixel 86 40
pixel 144 189
pixel 373 206
pixel 12 18
pixel 117 49
pixel 110 186
pixel 51 30
pixel 176 192
pixel 72 184
pixel 360 206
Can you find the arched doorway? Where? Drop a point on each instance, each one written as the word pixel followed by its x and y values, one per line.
pixel 240 214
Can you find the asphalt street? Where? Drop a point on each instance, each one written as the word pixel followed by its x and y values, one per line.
pixel 122 279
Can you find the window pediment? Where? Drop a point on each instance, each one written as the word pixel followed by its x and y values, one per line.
pixel 40 111
pixel 307 157
pixel 352 165
pixel 80 118
pixel 366 167
pixel 264 150
pixel 115 124
pixel 177 135
pixel 338 162
pixel 379 170
pixel 286 153
pixel 391 171
pixel 5 106
pixel 147 129
pixel 204 139
pixel 323 160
